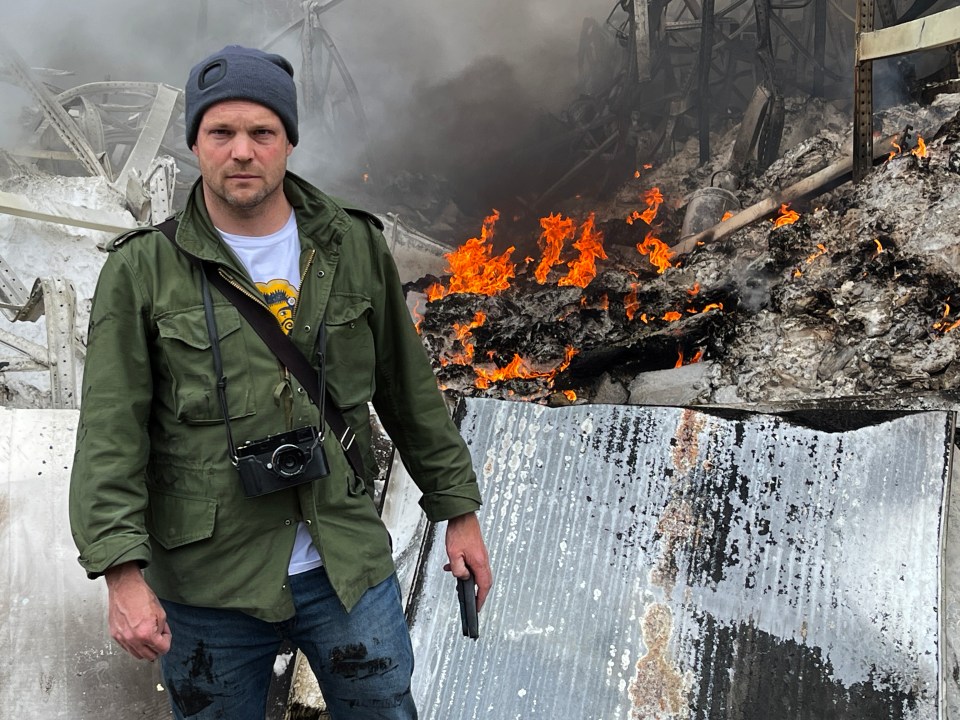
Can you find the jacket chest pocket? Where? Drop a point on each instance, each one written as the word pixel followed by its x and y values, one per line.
pixel 189 358
pixel 351 354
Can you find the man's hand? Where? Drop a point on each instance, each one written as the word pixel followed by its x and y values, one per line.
pixel 468 554
pixel 137 620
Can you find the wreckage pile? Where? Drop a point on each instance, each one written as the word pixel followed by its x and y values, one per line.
pixel 855 296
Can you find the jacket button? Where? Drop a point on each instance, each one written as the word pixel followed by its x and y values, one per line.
pixel 309 522
pixel 352 325
pixel 283 587
pixel 300 390
pixel 287 521
pixel 319 273
pixel 306 328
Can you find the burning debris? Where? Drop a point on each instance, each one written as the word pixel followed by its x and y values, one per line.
pixel 857 294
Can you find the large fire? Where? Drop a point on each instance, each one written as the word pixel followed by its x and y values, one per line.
pixel 584 268
pixel 475 268
pixel 556 230
pixel 519 368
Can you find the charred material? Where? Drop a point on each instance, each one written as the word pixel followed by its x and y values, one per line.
pixel 851 297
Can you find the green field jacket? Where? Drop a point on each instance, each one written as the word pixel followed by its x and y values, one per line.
pixel 152 480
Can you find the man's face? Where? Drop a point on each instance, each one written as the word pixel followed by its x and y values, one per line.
pixel 242 148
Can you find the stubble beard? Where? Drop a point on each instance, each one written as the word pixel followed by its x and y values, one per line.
pixel 245 204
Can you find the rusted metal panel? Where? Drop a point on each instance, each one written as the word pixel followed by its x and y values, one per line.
pixel 669 563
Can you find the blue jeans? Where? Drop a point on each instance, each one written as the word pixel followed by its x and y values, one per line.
pixel 221 661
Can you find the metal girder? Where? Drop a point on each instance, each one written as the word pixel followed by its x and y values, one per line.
pixel 750 128
pixel 55 300
pixel 641 23
pixel 863 97
pixel 37 354
pixel 930 32
pixel 161 180
pixel 819 45
pixel 703 76
pixel 162 112
pixel 60 308
pixel 11 204
pixel 59 118
pixel 13 293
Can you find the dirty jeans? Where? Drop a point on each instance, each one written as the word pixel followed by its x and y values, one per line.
pixel 220 661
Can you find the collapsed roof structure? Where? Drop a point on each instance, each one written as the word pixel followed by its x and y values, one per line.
pixel 655 540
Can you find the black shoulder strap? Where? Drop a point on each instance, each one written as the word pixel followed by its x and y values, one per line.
pixel 266 326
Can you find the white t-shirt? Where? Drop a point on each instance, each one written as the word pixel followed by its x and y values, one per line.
pixel 273 262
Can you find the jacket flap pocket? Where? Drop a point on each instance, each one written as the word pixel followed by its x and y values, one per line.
pixel 190 326
pixel 345 310
pixel 174 519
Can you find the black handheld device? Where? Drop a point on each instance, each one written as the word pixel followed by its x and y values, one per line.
pixel 467 594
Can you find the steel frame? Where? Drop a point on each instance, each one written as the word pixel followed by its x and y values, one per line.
pixel 933 31
pixel 56 300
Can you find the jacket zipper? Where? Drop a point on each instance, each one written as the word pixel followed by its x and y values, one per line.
pixel 303 276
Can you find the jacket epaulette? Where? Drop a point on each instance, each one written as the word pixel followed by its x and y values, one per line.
pixel 366 215
pixel 121 239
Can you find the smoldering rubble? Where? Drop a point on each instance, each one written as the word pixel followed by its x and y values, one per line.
pixel 855 296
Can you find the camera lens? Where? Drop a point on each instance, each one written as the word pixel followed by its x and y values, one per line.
pixel 289 460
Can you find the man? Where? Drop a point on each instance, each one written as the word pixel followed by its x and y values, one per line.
pixel 200 574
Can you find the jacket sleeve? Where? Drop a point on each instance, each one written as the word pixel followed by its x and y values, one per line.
pixel 409 403
pixel 108 496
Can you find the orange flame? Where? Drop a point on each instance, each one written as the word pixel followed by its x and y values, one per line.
pixel 821 249
pixel 435 292
pixel 879 246
pixel 658 251
pixel 654 199
pixel 787 216
pixel 727 215
pixel 472 267
pixel 921 149
pixel 521 369
pixel 630 302
pixel 570 395
pixel 556 230
pixel 697 357
pixel 672 316
pixel 463 333
pixel 942 325
pixel 417 316
pixel 896 150
pixel 694 290
pixel 590 245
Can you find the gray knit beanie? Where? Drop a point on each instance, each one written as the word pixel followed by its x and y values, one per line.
pixel 239 73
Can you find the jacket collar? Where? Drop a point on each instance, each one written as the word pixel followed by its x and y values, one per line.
pixel 321 222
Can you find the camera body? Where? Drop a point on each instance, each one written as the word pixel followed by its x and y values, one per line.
pixel 280 461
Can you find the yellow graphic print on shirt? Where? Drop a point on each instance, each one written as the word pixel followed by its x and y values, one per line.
pixel 281 297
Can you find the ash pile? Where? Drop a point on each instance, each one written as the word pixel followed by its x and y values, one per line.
pixel 852 298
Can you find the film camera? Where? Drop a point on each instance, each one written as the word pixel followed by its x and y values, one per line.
pixel 281 461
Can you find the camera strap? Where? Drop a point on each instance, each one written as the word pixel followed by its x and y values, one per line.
pixel 266 326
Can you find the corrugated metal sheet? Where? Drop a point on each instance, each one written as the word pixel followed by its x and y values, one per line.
pixel 667 563
pixel 56 656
